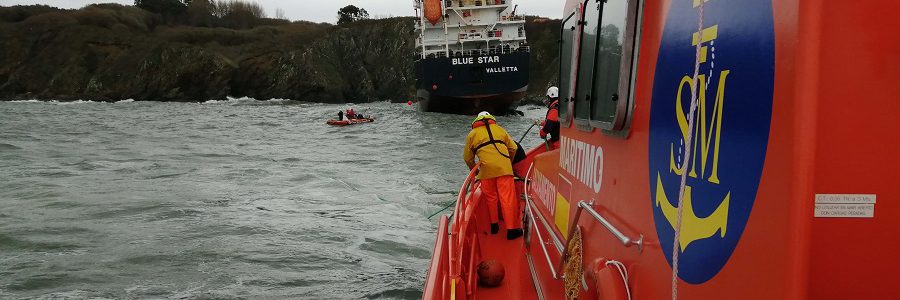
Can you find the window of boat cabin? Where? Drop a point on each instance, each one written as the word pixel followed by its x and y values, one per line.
pixel 605 83
pixel 567 57
pixel 586 57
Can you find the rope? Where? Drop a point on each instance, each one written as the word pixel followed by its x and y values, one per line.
pixel 622 271
pixel 526 133
pixel 574 269
pixel 687 158
pixel 442 209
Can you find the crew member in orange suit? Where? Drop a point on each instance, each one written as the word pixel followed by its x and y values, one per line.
pixel 493 147
pixel 550 125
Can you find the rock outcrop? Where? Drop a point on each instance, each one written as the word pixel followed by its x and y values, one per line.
pixel 112 52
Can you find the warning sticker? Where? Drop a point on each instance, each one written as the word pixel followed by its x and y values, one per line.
pixel 845 206
pixel 845 199
pixel 845 210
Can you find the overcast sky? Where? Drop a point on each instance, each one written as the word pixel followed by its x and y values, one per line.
pixel 326 10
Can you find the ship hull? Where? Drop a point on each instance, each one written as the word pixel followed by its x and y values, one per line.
pixel 467 85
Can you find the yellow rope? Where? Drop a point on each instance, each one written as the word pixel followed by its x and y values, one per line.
pixel 574 268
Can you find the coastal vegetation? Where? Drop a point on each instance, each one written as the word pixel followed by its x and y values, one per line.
pixel 171 50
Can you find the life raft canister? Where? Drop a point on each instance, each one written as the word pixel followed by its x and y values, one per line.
pixel 433 11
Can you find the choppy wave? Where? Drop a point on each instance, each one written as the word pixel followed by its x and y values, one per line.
pixel 4 146
pixel 251 101
pixel 233 198
pixel 75 102
pixel 230 100
pixel 125 101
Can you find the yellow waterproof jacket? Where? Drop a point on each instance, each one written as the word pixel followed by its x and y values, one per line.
pixel 495 161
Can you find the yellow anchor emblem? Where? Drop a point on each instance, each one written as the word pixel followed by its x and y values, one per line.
pixel 693 228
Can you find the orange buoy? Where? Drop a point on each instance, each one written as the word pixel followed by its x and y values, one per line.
pixel 433 11
pixel 490 273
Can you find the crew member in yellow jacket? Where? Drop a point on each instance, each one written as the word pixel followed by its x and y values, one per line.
pixel 493 147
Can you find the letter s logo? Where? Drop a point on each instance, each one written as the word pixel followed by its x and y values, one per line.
pixel 731 128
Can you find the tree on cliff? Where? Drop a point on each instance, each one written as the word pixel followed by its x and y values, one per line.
pixel 162 6
pixel 200 13
pixel 351 13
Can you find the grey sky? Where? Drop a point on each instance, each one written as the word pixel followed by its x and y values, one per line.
pixel 326 10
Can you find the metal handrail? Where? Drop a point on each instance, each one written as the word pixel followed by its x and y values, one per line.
pixel 589 207
pixel 529 210
pixel 625 240
pixel 541 241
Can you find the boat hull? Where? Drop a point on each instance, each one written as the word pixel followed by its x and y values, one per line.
pixel 470 84
pixel 348 122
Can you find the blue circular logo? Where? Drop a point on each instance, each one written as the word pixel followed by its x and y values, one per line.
pixel 731 128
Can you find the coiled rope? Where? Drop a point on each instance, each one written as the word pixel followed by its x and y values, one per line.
pixel 622 271
pixel 688 143
pixel 574 269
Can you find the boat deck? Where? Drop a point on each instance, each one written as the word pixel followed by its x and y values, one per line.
pixel 517 283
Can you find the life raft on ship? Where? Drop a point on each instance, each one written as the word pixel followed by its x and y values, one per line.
pixel 333 122
pixel 433 11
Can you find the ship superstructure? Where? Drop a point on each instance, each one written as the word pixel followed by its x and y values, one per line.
pixel 472 55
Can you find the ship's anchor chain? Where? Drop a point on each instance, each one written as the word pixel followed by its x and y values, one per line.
pixel 574 269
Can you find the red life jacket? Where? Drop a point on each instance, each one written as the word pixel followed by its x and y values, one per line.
pixel 553 111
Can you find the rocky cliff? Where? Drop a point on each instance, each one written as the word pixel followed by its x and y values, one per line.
pixel 112 52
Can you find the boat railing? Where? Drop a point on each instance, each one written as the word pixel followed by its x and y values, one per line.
pixel 480 52
pixel 474 3
pixel 464 239
pixel 585 206
pixel 452 273
pixel 432 54
pixel 529 212
pixel 436 285
pixel 512 18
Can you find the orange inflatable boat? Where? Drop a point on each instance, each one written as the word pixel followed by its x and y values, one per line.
pixel 348 122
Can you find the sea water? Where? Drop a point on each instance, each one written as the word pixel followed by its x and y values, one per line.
pixel 232 199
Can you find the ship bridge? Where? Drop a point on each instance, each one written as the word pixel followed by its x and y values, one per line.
pixel 468 27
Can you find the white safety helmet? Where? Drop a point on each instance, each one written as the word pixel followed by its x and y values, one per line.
pixel 482 116
pixel 553 92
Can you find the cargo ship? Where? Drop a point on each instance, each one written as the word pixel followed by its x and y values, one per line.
pixel 711 149
pixel 471 56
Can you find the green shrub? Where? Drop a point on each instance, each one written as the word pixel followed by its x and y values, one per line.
pixel 202 36
pixel 136 18
pixel 20 13
pixel 161 6
pixel 49 21
pixel 93 16
pixel 109 6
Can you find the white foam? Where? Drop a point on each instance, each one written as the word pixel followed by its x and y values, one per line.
pixel 26 101
pixel 74 102
pixel 230 99
pixel 241 99
pixel 125 101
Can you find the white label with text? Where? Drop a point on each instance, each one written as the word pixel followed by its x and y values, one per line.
pixel 845 210
pixel 475 60
pixel 845 206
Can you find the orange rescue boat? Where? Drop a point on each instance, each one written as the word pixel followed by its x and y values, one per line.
pixel 711 149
